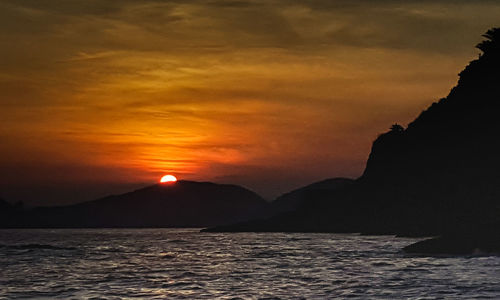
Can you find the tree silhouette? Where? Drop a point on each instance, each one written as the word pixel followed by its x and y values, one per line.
pixel 492 44
pixel 397 128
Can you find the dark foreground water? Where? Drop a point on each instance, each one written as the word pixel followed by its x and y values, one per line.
pixel 186 264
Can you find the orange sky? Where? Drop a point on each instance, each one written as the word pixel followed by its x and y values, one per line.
pixel 98 97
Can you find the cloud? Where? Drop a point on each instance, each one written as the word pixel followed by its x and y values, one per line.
pixel 190 25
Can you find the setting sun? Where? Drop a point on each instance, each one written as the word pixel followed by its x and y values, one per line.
pixel 168 178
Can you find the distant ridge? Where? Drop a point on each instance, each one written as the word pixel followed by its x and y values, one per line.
pixel 180 204
pixel 5 206
pixel 292 200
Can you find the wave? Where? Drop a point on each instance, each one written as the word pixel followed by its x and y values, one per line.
pixel 35 247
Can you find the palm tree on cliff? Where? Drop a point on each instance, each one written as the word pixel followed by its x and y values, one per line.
pixel 397 128
pixel 492 44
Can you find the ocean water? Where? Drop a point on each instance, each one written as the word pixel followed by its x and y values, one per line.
pixel 187 264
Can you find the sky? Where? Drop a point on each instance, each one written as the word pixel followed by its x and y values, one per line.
pixel 100 97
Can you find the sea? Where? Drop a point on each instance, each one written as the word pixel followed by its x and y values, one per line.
pixel 188 264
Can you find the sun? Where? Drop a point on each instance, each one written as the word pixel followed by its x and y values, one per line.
pixel 168 178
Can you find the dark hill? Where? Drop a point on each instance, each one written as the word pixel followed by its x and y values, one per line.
pixel 296 198
pixel 5 206
pixel 6 210
pixel 182 204
pixel 442 171
pixel 438 176
pixel 287 212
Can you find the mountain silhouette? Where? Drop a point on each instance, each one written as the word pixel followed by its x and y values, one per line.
pixel 287 213
pixel 9 211
pixel 293 200
pixel 5 206
pixel 180 204
pixel 439 176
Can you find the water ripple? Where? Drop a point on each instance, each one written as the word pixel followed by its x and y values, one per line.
pixel 186 264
